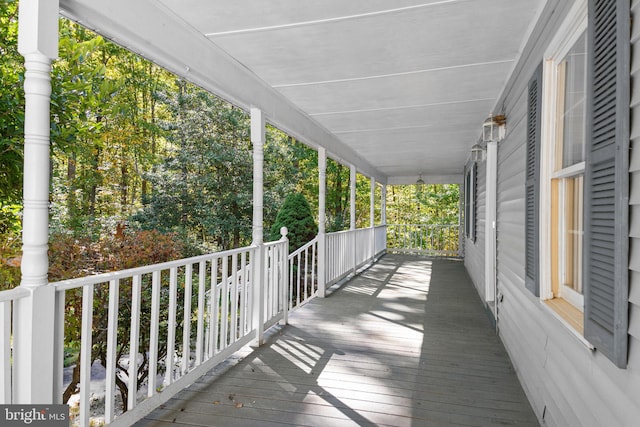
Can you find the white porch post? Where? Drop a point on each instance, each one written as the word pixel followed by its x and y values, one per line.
pixel 461 220
pixel 383 213
pixel 257 139
pixel 322 191
pixel 383 207
pixel 372 203
pixel 372 215
pixel 490 221
pixel 33 323
pixel 352 213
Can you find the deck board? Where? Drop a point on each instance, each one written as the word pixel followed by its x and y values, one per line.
pixel 405 343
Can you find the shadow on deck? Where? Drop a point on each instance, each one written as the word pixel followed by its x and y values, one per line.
pixel 406 343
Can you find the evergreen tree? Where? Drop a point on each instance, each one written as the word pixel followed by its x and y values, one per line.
pixel 295 214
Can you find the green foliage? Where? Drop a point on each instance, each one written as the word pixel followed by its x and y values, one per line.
pixel 424 204
pixel 295 214
pixel 203 187
pixel 11 105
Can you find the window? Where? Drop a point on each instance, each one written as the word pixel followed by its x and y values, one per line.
pixel 577 179
pixel 567 175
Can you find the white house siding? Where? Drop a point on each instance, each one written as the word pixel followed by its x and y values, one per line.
pixel 474 251
pixel 567 384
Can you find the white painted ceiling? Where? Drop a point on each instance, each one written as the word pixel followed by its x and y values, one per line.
pixel 403 84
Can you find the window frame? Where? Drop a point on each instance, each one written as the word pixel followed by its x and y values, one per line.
pixel 574 26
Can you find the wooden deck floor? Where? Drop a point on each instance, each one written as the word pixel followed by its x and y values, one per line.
pixel 406 343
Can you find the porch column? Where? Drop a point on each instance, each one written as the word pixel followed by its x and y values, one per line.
pixel 322 191
pixel 461 219
pixel 33 323
pixel 383 213
pixel 352 214
pixel 352 199
pixel 372 215
pixel 383 206
pixel 490 221
pixel 257 139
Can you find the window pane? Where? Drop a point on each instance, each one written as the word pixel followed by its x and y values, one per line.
pixel 574 68
pixel 573 231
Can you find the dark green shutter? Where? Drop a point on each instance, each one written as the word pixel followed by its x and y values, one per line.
pixel 606 241
pixel 471 201
pixel 474 231
pixel 532 182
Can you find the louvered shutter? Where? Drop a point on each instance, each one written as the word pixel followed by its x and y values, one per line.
pixel 474 195
pixel 606 270
pixel 532 178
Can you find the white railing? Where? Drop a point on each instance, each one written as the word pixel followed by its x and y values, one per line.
pixel 347 251
pixel 340 255
pixel 156 329
pixel 275 282
pixel 380 236
pixel 303 274
pixel 430 239
pixel 141 311
pixel 7 299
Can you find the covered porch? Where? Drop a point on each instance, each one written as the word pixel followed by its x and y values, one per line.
pixel 406 343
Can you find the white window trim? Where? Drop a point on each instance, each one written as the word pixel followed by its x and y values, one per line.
pixel 568 33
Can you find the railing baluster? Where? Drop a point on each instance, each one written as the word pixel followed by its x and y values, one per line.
pixel 186 320
pixel 243 294
pixel 154 332
pixel 275 283
pixel 5 352
pixel 314 264
pixel 171 322
pixel 202 273
pixel 298 281
pixel 224 290
pixel 85 354
pixel 112 344
pixel 134 342
pixel 214 310
pixel 306 266
pixel 234 299
pixel 58 351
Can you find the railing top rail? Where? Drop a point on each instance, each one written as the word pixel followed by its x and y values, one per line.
pixel 303 248
pixel 333 233
pixel 13 294
pixel 423 225
pixel 274 243
pixel 79 282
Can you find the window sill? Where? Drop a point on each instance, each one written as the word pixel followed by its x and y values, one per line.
pixel 570 316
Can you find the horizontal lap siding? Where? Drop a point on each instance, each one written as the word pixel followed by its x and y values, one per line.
pixel 474 251
pixel 563 379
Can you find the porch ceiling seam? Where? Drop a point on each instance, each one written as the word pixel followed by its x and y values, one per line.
pixel 330 20
pixel 399 74
pixel 402 107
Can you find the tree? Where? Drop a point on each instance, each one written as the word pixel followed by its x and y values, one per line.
pixel 295 214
